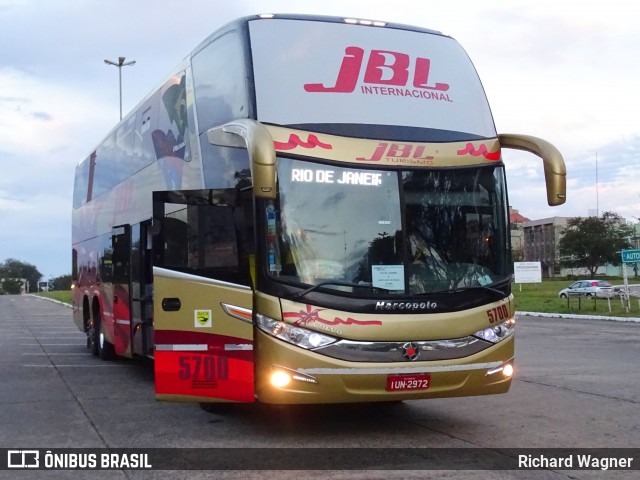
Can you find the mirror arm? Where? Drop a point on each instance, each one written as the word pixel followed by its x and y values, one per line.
pixel 555 172
pixel 252 135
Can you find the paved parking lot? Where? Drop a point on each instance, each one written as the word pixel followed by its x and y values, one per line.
pixel 577 384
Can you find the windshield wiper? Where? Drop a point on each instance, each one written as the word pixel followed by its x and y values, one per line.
pixel 478 287
pixel 339 284
pixel 486 288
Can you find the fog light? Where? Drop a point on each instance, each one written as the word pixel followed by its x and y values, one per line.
pixel 505 368
pixel 507 371
pixel 280 379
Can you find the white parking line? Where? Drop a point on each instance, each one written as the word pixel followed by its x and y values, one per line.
pixel 97 365
pixel 59 338
pixel 65 330
pixel 58 354
pixel 59 327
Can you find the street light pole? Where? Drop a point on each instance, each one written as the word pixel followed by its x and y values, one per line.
pixel 597 196
pixel 597 186
pixel 121 63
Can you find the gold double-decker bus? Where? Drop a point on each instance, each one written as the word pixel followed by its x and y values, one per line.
pixel 308 210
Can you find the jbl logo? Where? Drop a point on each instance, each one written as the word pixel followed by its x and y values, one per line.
pixel 383 67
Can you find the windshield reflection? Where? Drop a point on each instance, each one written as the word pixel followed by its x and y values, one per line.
pixel 408 232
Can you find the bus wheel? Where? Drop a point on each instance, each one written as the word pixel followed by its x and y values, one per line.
pixel 92 337
pixel 105 349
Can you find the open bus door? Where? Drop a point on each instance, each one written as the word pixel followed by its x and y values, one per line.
pixel 203 330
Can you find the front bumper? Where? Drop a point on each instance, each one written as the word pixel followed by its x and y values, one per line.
pixel 340 381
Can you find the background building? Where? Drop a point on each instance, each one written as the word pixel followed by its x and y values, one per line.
pixel 517 221
pixel 541 239
pixel 537 241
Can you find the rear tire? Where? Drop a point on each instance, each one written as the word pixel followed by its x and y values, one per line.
pixel 96 342
pixel 92 337
pixel 105 349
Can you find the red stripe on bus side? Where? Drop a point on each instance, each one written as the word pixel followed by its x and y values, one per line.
pixel 215 343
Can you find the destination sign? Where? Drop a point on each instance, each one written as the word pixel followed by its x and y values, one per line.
pixel 329 176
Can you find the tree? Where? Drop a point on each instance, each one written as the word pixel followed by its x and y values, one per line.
pixel 11 286
pixel 594 241
pixel 63 282
pixel 15 269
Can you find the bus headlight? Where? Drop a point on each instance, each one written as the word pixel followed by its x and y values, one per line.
pixel 498 332
pixel 298 336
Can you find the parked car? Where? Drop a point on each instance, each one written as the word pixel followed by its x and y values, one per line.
pixel 598 288
pixel 634 290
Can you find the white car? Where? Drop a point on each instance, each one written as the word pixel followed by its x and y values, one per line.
pixel 589 288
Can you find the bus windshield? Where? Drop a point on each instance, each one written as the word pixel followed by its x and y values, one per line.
pixel 404 232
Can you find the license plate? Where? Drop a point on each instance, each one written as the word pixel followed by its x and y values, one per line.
pixel 418 381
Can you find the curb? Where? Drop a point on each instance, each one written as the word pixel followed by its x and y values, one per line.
pixel 579 317
pixel 68 305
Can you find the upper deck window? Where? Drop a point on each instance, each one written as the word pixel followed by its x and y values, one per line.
pixel 220 82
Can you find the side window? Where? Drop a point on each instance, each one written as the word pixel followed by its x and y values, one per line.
pixel 218 237
pixel 74 264
pixel 105 260
pixel 171 133
pixel 105 176
pixel 199 236
pixel 205 235
pixel 143 149
pixel 170 136
pixel 220 82
pixel 121 254
pixel 123 163
pixel 81 183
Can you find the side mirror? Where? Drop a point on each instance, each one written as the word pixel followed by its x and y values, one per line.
pixel 555 172
pixel 252 135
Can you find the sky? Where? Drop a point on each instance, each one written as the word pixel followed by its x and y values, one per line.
pixel 564 71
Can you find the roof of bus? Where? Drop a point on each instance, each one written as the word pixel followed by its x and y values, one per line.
pixel 314 18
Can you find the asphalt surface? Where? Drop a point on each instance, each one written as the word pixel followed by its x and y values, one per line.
pixel 577 385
